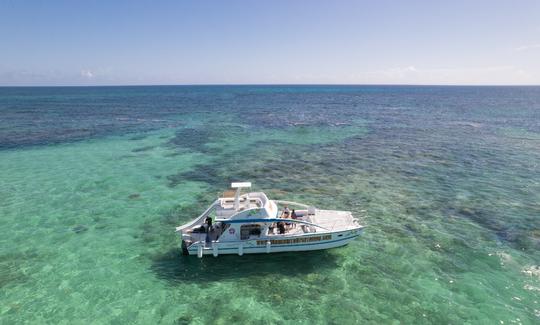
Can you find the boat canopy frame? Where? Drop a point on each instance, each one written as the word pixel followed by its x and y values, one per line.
pixel 270 220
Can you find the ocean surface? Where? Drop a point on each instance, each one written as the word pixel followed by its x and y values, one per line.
pixel 93 181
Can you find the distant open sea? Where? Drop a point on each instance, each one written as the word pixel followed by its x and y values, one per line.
pixel 93 181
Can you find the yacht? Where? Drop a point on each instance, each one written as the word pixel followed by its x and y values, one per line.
pixel 251 223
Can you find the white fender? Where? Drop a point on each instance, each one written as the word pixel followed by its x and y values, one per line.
pixel 200 250
pixel 241 249
pixel 268 245
pixel 214 249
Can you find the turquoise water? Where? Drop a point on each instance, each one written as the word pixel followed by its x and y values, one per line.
pixel 94 180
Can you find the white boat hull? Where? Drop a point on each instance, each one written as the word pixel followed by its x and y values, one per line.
pixel 253 224
pixel 276 244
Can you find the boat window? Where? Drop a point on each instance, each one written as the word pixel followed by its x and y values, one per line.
pixel 249 230
pixel 224 227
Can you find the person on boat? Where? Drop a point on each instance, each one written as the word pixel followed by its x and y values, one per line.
pixel 287 215
pixel 205 227
pixel 285 212
pixel 208 228
pixel 215 231
pixel 281 227
pixel 271 228
pixel 294 217
pixel 208 222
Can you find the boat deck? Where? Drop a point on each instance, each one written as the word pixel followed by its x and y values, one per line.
pixel 328 220
pixel 333 220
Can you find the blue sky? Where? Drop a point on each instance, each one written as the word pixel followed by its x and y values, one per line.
pixel 269 42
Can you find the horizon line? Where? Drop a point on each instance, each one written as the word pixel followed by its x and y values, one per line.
pixel 268 84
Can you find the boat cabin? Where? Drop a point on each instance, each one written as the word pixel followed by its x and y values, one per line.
pixel 247 216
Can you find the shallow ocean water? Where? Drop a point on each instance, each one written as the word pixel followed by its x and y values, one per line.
pixel 94 180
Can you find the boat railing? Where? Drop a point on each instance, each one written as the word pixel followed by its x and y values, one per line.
pixel 260 196
pixel 311 225
pixel 271 220
pixel 198 219
pixel 292 203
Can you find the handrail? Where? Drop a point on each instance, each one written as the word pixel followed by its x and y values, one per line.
pixel 180 228
pixel 270 220
pixel 292 203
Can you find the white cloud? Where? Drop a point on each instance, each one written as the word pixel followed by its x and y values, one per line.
pixel 397 73
pixel 87 74
pixel 527 47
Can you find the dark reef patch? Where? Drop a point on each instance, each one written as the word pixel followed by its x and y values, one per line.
pixel 150 232
pixel 79 229
pixel 191 138
pixel 12 265
pixel 202 173
pixel 147 148
pixel 138 137
pixel 504 230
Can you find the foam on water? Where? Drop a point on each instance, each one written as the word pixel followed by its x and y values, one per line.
pixel 449 194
